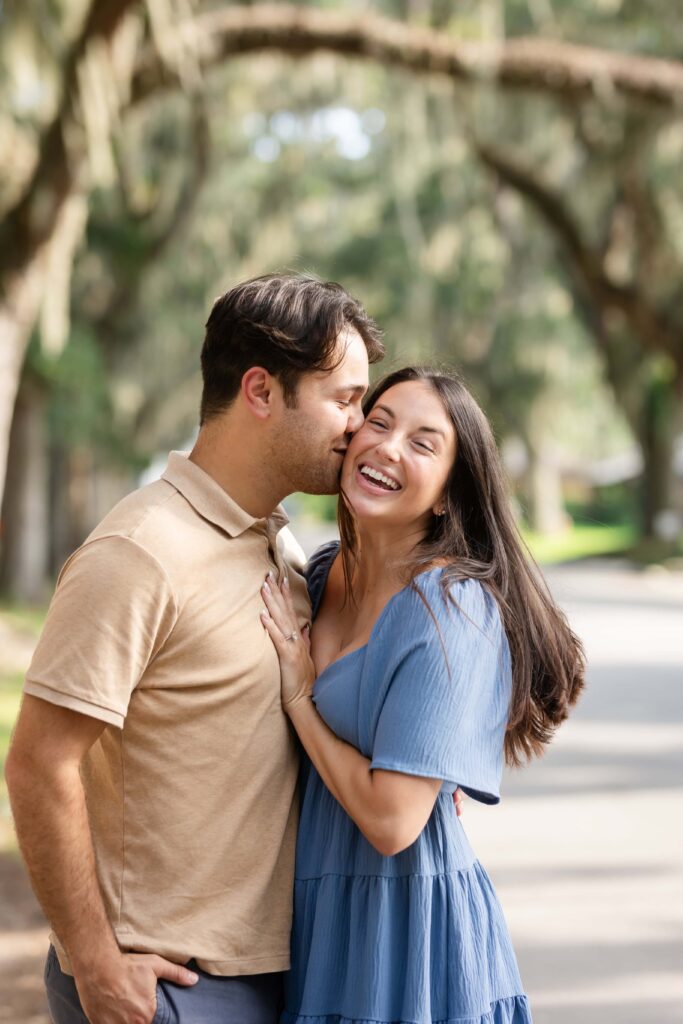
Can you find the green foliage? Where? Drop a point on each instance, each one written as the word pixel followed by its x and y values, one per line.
pixel 616 505
pixel 313 506
pixel 80 410
pixel 581 541
pixel 10 698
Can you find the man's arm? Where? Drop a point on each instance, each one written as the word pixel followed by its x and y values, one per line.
pixel 48 804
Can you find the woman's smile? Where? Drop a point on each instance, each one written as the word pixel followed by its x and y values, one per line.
pixel 376 480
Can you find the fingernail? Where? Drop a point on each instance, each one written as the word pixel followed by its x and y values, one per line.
pixel 286 581
pixel 266 588
pixel 270 576
pixel 264 614
pixel 193 977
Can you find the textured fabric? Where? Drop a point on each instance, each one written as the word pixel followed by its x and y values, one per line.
pixel 417 938
pixel 192 795
pixel 251 999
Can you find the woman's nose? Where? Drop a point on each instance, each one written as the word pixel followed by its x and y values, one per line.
pixel 389 449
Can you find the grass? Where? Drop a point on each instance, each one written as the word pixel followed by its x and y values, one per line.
pixel 582 540
pixel 10 695
pixel 24 622
pixel 25 618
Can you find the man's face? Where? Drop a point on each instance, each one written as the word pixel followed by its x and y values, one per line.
pixel 314 436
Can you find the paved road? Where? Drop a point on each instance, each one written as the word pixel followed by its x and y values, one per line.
pixel 586 849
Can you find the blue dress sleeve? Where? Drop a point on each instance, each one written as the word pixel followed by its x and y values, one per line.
pixel 442 706
pixel 317 570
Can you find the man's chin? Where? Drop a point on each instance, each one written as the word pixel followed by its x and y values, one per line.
pixel 324 489
pixel 330 486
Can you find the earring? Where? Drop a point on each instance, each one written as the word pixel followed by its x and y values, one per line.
pixel 439 511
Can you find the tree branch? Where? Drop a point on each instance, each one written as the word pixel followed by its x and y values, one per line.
pixel 189 191
pixel 32 220
pixel 654 331
pixel 551 66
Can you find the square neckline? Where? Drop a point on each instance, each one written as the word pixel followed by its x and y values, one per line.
pixel 356 650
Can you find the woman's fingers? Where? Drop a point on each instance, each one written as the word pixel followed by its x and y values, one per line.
pixel 280 611
pixel 287 597
pixel 273 630
pixel 272 598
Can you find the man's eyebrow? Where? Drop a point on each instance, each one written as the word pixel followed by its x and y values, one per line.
pixel 356 389
pixel 420 430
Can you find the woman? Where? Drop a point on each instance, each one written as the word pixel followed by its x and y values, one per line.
pixel 435 651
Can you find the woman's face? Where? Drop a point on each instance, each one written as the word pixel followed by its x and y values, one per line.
pixel 397 464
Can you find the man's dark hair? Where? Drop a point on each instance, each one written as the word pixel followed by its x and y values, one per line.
pixel 287 323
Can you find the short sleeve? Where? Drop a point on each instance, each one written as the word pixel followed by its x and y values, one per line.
pixel 291 551
pixel 112 610
pixel 447 688
pixel 317 571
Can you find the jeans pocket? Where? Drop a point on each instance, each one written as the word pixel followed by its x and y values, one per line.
pixel 49 963
pixel 160 1016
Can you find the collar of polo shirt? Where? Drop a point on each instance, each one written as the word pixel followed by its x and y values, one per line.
pixel 210 500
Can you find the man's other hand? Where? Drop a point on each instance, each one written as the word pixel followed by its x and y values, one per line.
pixel 125 991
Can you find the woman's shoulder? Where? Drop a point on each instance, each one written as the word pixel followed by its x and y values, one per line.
pixel 318 567
pixel 432 599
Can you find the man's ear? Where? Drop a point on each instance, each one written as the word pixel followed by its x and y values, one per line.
pixel 259 391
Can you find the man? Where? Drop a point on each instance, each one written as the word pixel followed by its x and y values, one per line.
pixel 152 773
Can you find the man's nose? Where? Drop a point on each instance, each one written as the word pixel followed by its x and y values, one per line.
pixel 355 420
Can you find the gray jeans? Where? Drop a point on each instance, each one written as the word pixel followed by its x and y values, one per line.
pixel 249 999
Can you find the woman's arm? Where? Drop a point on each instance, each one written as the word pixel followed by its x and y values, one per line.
pixel 390 808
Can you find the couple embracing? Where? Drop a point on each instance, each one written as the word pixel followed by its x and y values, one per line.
pixel 229 765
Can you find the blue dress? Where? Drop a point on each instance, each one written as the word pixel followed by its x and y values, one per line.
pixel 418 938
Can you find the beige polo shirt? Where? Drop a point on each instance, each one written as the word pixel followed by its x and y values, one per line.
pixel 154 628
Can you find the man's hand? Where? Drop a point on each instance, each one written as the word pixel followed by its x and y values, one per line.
pixel 457 800
pixel 124 990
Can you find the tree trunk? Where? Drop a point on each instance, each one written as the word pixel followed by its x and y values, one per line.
pixel 546 511
pixel 662 517
pixel 24 567
pixel 18 313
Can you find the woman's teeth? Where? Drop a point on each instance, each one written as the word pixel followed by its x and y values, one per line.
pixel 379 478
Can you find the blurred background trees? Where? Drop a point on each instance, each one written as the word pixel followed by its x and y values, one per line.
pixel 498 181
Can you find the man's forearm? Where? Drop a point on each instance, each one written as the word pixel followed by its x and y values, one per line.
pixel 54 835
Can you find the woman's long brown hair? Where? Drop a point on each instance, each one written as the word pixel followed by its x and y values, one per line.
pixel 477 538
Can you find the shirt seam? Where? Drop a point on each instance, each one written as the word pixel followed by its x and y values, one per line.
pixel 391 878
pixel 244 959
pixel 74 696
pixel 129 537
pixel 123 831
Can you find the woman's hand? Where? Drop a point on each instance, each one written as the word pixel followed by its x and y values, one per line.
pixel 297 672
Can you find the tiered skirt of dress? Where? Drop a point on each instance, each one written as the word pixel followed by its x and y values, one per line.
pixel 418 938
